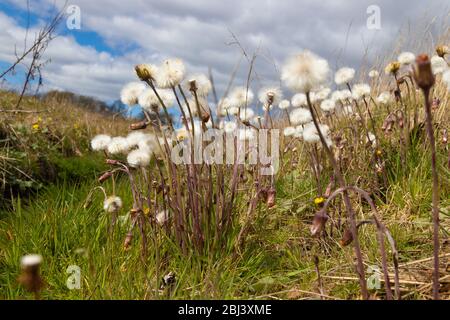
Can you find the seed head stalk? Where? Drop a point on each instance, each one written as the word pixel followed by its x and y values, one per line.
pixel 350 211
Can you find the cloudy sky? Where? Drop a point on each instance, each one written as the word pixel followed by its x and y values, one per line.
pixel 98 58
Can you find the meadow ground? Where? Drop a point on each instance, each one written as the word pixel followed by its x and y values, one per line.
pixel 280 259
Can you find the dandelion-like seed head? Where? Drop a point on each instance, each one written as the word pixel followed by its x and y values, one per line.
pixel 373 74
pixel 118 145
pixel 130 93
pixel 311 135
pixel 328 105
pixel 305 72
pixel 446 79
pixel 289 131
pixel 341 95
pixel 299 100
pixel 438 65
pixel 246 114
pixel 170 74
pixel 150 102
pixel 322 94
pixel 344 75
pixel 134 138
pixel 300 116
pixel 112 204
pixel 299 132
pixel 241 97
pixel 406 58
pixel 284 104
pixel 202 84
pixel 139 158
pixel 270 96
pixel 360 91
pixel 233 111
pixel 100 142
pixel 384 97
pixel 229 126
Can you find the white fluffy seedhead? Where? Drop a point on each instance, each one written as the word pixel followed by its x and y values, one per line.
pixel 130 93
pixel 300 116
pixel 344 75
pixel 170 73
pixel 100 142
pixel 241 97
pixel 305 72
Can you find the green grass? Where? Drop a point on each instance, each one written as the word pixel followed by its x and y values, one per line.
pixel 276 261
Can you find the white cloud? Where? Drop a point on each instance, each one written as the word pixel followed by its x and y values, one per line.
pixel 198 32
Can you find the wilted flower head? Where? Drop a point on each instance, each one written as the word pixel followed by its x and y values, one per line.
pixel 118 145
pixel 299 100
pixel 289 131
pixel 170 74
pixel 241 97
pixel 328 105
pixel 202 84
pixel 442 50
pixel 300 116
pixel 423 73
pixel 344 75
pixel 284 104
pixel 149 100
pixel 406 58
pixel 112 204
pixel 130 93
pixel 384 97
pixel 373 74
pixel 270 96
pixel 438 64
pixel 305 72
pixel 392 67
pixel 146 71
pixel 100 142
pixel 318 223
pixel 139 158
pixel 360 90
